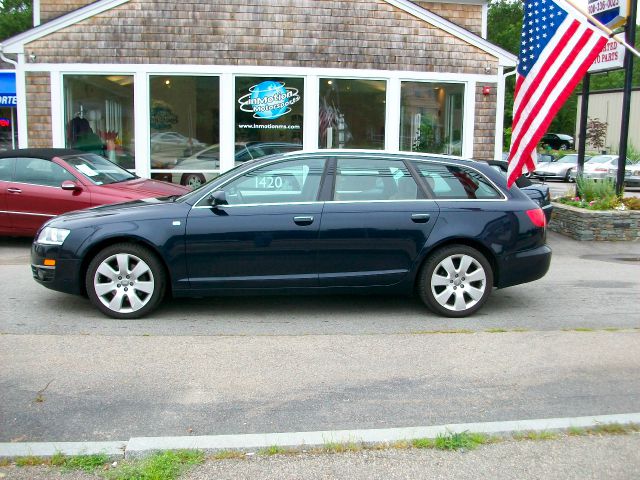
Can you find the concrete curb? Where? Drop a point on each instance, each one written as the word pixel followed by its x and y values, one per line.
pixel 138 447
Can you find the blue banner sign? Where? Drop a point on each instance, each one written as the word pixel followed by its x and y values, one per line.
pixel 8 89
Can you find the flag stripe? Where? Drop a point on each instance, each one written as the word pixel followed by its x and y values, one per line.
pixel 557 47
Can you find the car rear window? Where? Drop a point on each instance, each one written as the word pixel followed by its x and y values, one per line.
pixel 452 182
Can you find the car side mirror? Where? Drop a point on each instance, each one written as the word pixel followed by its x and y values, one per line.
pixel 217 199
pixel 70 185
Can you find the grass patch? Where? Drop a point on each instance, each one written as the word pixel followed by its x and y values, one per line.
pixel 612 329
pixel 520 330
pixel 459 441
pixel 276 450
pixel 423 443
pixel 228 455
pixel 576 432
pixel 533 435
pixel 88 463
pixel 611 429
pixel 161 466
pixel 335 447
pixel 496 330
pixel 578 329
pixel 29 461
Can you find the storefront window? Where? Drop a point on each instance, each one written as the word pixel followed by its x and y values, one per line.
pixel 99 116
pixel 431 117
pixel 185 128
pixel 352 113
pixel 269 116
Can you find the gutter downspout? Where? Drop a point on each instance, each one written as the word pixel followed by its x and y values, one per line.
pixel 13 123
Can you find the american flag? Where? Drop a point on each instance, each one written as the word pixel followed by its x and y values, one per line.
pixel 557 46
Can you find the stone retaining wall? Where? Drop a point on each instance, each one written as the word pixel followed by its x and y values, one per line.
pixel 581 224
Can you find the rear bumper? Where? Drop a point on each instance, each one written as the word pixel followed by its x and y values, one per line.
pixel 524 267
pixel 63 277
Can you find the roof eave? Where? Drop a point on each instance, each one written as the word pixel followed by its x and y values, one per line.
pixel 505 59
pixel 16 44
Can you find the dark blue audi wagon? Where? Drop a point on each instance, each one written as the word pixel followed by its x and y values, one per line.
pixel 326 222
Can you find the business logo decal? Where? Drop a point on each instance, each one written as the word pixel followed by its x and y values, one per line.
pixel 269 100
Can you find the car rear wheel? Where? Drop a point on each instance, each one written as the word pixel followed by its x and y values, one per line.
pixel 125 281
pixel 193 180
pixel 455 281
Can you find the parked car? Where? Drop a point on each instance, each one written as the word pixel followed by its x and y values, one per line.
pixel 598 168
pixel 37 184
pixel 632 175
pixel 539 193
pixel 336 221
pixel 558 141
pixel 209 159
pixel 561 169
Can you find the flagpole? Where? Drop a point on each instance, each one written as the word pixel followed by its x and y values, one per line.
pixel 603 27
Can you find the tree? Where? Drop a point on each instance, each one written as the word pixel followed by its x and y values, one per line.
pixel 596 133
pixel 16 16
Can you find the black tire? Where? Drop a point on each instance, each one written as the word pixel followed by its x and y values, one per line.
pixel 564 146
pixel 567 177
pixel 137 294
pixel 478 290
pixel 193 180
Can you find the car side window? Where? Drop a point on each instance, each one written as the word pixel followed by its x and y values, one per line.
pixel 282 182
pixel 373 179
pixel 37 171
pixel 451 182
pixel 6 169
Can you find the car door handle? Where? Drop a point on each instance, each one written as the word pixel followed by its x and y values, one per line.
pixel 305 220
pixel 14 190
pixel 420 217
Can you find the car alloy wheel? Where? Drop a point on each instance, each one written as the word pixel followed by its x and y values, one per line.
pixel 125 281
pixel 193 180
pixel 455 281
pixel 567 177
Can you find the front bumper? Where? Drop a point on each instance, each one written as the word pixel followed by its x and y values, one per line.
pixel 63 277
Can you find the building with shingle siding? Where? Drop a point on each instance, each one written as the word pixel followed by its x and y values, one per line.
pixel 180 89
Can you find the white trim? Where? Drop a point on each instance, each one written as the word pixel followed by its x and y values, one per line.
pixel 310 118
pixel 505 58
pixel 227 121
pixel 212 69
pixel 141 109
pixel 466 2
pixel 499 114
pixel 392 115
pixel 16 44
pixel 21 95
pixel 57 111
pixel 469 119
pixel 485 16
pixel 36 13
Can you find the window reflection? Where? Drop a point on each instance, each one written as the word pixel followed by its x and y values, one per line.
pixel 99 116
pixel 431 117
pixel 352 113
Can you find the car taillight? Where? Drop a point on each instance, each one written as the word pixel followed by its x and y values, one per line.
pixel 537 217
pixel 600 169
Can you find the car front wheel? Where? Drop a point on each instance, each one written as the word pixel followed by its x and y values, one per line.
pixel 193 180
pixel 125 281
pixel 455 281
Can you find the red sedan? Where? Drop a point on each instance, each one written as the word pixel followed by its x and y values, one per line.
pixel 37 184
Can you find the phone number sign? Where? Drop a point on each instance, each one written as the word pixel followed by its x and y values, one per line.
pixel 612 13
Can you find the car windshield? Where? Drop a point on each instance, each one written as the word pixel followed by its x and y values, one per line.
pixel 568 159
pixel 97 169
pixel 600 159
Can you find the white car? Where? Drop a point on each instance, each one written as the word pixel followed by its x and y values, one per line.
pixel 599 167
pixel 204 165
pixel 562 169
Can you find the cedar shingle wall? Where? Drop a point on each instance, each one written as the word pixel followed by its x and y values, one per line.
pixel 39 109
pixel 463 15
pixel 367 34
pixel 485 127
pixel 50 9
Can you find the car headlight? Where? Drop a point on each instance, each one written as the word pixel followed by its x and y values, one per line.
pixel 53 236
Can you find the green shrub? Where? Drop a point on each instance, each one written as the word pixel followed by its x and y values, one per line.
pixel 597 190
